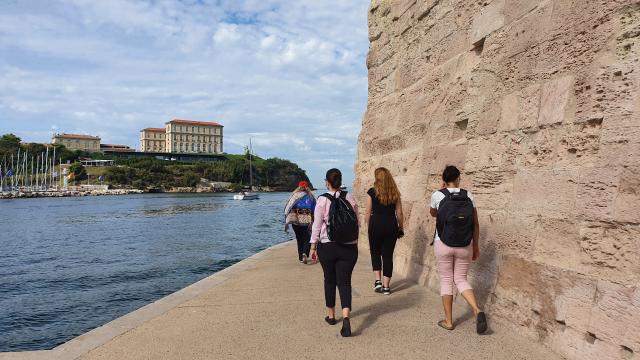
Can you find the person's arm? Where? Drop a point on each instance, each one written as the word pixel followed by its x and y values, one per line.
pixel 399 214
pixel 354 205
pixel 476 235
pixel 318 215
pixel 433 210
pixel 367 211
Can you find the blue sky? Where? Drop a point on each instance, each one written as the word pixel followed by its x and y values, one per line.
pixel 289 74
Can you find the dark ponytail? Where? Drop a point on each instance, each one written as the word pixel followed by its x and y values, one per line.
pixel 334 177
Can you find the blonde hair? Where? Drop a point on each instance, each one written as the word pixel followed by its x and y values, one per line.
pixel 385 187
pixel 305 189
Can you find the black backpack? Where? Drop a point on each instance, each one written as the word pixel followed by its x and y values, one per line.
pixel 455 219
pixel 342 225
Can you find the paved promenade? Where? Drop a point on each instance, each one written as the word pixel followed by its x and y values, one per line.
pixel 272 307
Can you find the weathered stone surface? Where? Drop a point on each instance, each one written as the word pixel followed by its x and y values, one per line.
pixel 537 102
pixel 488 20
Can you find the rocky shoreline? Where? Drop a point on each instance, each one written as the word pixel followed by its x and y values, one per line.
pixel 67 193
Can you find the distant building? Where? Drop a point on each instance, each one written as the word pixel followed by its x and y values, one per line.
pixel 105 148
pixel 193 137
pixel 86 143
pixel 153 140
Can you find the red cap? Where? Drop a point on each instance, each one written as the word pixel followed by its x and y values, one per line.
pixel 303 184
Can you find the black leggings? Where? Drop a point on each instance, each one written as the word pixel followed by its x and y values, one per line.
pixel 337 263
pixel 303 236
pixel 383 233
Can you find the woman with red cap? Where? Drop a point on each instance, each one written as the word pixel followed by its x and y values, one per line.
pixel 299 214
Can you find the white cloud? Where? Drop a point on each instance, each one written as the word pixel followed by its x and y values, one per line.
pixel 227 33
pixel 291 75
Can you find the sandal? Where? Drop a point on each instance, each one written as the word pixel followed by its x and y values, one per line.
pixel 443 325
pixel 330 321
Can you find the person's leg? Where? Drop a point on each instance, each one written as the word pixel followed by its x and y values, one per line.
pixel 388 246
pixel 306 246
pixel 344 270
pixel 299 239
pixel 345 265
pixel 462 261
pixel 375 248
pixel 327 257
pixel 444 259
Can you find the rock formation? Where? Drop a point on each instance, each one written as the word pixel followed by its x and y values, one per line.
pixel 537 102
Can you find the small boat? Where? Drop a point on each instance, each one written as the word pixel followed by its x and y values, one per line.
pixel 343 187
pixel 246 196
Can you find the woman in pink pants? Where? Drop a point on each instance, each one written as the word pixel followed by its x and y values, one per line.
pixel 454 261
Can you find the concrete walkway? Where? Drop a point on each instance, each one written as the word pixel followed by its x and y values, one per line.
pixel 272 307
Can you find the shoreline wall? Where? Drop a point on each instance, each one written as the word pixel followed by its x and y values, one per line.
pixel 536 101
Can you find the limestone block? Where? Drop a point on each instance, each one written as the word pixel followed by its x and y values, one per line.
pixel 557 101
pixel 520 109
pixel 488 155
pixel 558 244
pixel 574 304
pixel 616 315
pixel 611 251
pixel 448 155
pixel 488 20
pixel 597 189
pixel 492 190
pixel 425 8
pixel 530 30
pixel 512 233
pixel 579 145
pixel 399 7
pixel 619 145
pixel 627 201
pixel 549 193
pixel 516 9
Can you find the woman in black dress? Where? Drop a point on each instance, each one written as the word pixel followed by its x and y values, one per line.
pixel 384 218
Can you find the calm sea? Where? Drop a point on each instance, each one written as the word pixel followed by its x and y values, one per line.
pixel 68 265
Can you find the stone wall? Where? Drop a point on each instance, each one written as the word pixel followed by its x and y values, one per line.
pixel 536 101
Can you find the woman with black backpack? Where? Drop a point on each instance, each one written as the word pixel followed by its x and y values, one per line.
pixel 456 245
pixel 334 240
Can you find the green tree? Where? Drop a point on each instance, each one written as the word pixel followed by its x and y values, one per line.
pixel 9 143
pixel 79 171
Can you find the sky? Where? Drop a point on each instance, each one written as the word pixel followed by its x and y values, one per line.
pixel 291 75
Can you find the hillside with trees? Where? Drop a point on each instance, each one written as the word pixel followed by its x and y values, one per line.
pixel 150 173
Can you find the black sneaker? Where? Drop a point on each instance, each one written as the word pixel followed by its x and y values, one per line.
pixel 481 323
pixel 346 328
pixel 386 291
pixel 377 286
pixel 330 321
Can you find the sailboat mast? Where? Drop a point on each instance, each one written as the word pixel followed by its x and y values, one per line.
pixel 250 166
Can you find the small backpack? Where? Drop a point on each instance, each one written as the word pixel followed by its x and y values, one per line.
pixel 305 202
pixel 342 224
pixel 455 219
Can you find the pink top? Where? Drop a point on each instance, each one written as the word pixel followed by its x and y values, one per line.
pixel 321 214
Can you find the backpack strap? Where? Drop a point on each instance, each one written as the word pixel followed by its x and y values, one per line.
pixel 463 192
pixel 445 191
pixel 329 196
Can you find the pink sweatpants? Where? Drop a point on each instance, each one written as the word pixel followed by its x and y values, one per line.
pixel 453 265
